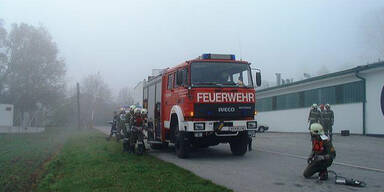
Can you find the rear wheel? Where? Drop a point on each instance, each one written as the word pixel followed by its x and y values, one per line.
pixel 239 144
pixel 155 146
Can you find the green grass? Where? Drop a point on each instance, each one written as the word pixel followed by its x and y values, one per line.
pixel 90 163
pixel 22 156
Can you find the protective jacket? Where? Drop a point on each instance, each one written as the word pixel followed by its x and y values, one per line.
pixel 314 116
pixel 327 117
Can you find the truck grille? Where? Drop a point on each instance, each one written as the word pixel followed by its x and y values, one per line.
pixel 224 110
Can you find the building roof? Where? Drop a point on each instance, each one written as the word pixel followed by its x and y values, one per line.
pixel 329 75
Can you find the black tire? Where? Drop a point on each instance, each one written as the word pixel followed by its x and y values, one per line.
pixel 156 146
pixel 239 145
pixel 182 146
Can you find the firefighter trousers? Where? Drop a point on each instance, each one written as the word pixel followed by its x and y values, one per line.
pixel 317 166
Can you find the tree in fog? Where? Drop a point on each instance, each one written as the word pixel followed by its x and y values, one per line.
pixel 3 57
pixel 125 96
pixel 374 27
pixel 96 100
pixel 323 70
pixel 34 73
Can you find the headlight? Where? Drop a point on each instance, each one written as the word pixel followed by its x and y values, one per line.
pixel 199 126
pixel 252 125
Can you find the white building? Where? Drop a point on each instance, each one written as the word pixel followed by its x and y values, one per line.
pixel 6 115
pixel 356 96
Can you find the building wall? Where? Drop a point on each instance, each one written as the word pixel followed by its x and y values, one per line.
pixel 374 113
pixel 6 115
pixel 347 116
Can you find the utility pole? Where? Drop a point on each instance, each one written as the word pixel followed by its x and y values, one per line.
pixel 78 105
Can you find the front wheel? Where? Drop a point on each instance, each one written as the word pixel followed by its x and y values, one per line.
pixel 239 144
pixel 182 145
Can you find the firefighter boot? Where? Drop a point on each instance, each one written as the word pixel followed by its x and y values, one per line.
pixel 323 175
pixel 125 145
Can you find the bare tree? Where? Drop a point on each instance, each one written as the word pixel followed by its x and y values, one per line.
pixel 96 100
pixel 3 57
pixel 125 96
pixel 374 27
pixel 323 70
pixel 34 73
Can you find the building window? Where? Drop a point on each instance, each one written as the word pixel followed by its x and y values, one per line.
pixel 281 102
pixel 311 97
pixel 339 94
pixel 328 95
pixel 353 92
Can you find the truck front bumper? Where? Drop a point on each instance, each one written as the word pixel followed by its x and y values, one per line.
pixel 220 126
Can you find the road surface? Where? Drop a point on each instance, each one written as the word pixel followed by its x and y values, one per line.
pixel 278 160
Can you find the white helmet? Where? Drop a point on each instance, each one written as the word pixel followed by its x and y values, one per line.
pixel 137 111
pixel 132 108
pixel 144 112
pixel 317 129
pixel 314 106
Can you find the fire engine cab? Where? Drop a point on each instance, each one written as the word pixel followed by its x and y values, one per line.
pixel 200 103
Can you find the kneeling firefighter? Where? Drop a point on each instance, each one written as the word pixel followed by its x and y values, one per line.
pixel 322 154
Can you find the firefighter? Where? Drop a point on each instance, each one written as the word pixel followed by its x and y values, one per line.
pixel 322 153
pixel 314 115
pixel 328 120
pixel 321 107
pixel 114 125
pixel 140 133
pixel 131 114
pixel 136 122
pixel 120 124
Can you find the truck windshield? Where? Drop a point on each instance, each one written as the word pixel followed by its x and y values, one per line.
pixel 220 74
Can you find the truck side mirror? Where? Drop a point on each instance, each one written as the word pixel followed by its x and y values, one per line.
pixel 258 78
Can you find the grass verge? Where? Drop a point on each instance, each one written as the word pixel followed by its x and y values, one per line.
pixel 89 163
pixel 23 154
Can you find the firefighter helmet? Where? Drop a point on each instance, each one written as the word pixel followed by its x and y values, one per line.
pixel 144 112
pixel 137 111
pixel 132 108
pixel 327 106
pixel 314 106
pixel 317 129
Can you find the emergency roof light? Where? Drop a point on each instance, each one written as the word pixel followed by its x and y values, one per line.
pixel 218 56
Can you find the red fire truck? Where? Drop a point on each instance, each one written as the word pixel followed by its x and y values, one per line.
pixel 200 103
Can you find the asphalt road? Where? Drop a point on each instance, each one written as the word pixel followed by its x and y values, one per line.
pixel 278 160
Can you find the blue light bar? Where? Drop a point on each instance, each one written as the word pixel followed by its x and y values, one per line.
pixel 206 56
pixel 218 56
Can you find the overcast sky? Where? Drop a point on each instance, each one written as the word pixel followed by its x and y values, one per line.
pixel 124 40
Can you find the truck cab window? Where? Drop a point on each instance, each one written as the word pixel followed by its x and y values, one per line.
pixel 170 81
pixel 182 77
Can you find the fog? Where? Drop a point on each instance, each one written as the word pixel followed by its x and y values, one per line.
pixel 124 40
